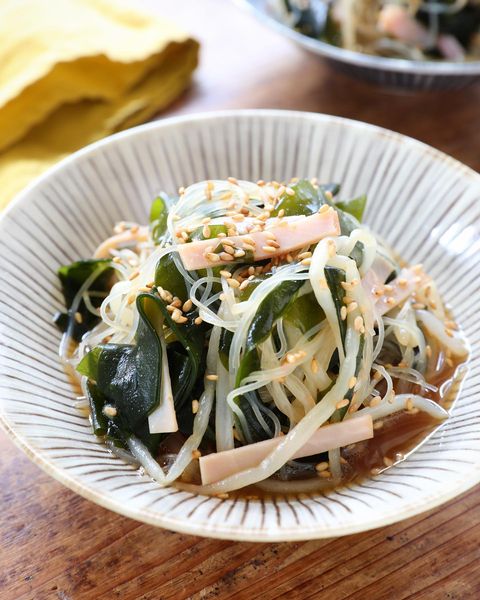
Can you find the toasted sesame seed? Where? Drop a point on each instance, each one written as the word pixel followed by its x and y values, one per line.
pixel 206 220
pixel 448 332
pixel 378 425
pixel 109 410
pixel 131 299
pixel 388 462
pixel 181 191
pixel 409 404
pixel 322 466
pixel 145 289
pixel 232 180
pixel 428 351
pixel 211 377
pixel 281 213
pixel 449 362
pixel 303 255
pixel 170 308
pixel 238 218
pixel 402 282
pixel 324 208
pixel 270 235
pixel 325 474
pixel 239 253
pixel 391 301
pixel 225 274
pixel 352 382
pixel 289 191
pixel 206 231
pixel 228 249
pixel 226 256
pixel 222 297
pixel 375 471
pixel 117 260
pixel 375 401
pixel 343 461
pixel 314 365
pixel 269 249
pixel 306 262
pixel 196 454
pixel 289 258
pixel 342 403
pixel 181 320
pixel 212 256
pixel 187 305
pixel 233 283
pixel 222 496
pixel 322 282
pixel 133 274
pixel 244 284
pixel 343 313
pixel 78 317
pixel 358 323
pixel 351 307
pixel 195 406
pixel 249 247
pixel 176 314
pixel 198 321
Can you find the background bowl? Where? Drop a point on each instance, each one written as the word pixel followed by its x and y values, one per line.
pixel 389 72
pixel 423 202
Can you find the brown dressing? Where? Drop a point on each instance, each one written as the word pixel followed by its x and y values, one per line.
pixel 399 435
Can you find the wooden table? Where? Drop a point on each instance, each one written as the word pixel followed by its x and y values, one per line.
pixel 55 545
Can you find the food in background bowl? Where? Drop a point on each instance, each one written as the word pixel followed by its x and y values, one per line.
pixel 256 334
pixel 430 30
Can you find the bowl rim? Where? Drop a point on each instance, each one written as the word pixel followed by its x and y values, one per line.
pixel 236 532
pixel 360 59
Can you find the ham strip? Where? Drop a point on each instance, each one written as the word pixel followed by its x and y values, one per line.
pixel 120 239
pixel 217 466
pixel 287 235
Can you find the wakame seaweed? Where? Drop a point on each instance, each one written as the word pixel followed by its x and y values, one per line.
pixel 72 277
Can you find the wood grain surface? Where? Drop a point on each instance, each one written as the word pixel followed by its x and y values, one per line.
pixel 55 545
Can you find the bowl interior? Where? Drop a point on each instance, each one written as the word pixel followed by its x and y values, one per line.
pixel 421 201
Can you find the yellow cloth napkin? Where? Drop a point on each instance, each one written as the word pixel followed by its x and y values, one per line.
pixel 73 71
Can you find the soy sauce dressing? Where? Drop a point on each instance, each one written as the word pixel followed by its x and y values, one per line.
pixel 400 435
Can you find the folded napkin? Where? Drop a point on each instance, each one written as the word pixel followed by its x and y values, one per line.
pixel 73 71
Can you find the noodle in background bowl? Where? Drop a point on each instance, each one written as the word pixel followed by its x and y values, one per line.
pixel 424 203
pixel 389 72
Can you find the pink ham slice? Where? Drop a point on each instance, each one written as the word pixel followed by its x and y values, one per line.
pixel 289 235
pixel 397 22
pixel 218 466
pixel 120 239
pixel 401 288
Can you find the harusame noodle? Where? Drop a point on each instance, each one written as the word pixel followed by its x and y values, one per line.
pixel 251 335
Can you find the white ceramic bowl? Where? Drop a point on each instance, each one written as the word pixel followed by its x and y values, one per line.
pixel 389 72
pixel 423 202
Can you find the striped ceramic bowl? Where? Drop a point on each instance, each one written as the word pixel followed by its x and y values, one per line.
pixel 424 203
pixel 389 72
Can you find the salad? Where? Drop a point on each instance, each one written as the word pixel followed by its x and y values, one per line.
pixel 256 334
pixel 409 29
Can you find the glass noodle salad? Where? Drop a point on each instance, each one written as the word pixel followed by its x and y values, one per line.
pixel 256 334
pixel 410 29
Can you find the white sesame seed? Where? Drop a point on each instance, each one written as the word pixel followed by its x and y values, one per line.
pixel 211 377
pixel 109 410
